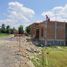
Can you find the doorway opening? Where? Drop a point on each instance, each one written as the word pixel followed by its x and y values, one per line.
pixel 37 34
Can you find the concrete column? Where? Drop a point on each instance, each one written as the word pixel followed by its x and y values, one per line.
pixel 64 34
pixel 46 33
pixel 39 33
pixel 55 30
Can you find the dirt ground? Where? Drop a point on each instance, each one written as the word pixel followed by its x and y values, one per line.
pixel 16 52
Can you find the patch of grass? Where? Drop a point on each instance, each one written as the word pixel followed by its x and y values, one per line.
pixel 4 35
pixel 51 57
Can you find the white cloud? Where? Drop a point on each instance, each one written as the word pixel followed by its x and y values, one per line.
pixel 57 13
pixel 20 8
pixel 18 14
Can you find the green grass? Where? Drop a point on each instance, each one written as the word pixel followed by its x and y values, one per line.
pixel 2 35
pixel 51 57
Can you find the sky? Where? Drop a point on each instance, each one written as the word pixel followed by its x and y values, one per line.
pixel 26 12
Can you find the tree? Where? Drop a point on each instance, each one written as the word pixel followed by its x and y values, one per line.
pixel 7 29
pixel 28 29
pixel 13 30
pixel 3 28
pixel 20 29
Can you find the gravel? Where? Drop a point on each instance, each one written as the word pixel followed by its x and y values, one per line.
pixel 10 55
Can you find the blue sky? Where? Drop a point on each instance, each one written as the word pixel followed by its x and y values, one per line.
pixel 38 9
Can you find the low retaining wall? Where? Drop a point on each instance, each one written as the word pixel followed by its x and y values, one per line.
pixel 53 43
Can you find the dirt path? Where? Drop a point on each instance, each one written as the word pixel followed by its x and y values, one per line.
pixel 10 55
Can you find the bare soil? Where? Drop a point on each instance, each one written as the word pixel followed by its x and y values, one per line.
pixel 16 52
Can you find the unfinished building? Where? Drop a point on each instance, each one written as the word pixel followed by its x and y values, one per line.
pixel 50 32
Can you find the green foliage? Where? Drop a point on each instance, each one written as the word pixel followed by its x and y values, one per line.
pixel 20 29
pixel 3 30
pixel 12 31
pixel 8 29
pixel 51 57
pixel 28 30
pixel 3 35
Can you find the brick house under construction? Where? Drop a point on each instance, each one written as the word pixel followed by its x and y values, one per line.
pixel 50 32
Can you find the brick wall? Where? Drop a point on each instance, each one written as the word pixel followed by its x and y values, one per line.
pixel 60 31
pixel 50 30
